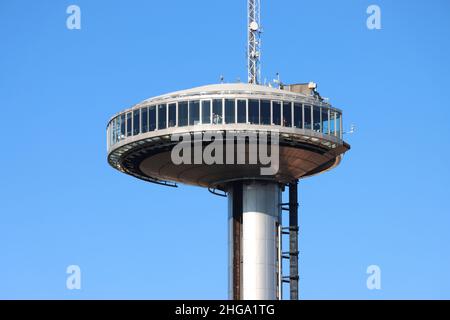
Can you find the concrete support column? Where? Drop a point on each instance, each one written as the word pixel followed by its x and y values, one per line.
pixel 254 217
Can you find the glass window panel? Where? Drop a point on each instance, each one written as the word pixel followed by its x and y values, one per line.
pixel 265 112
pixel 307 114
pixel 128 124
pixel 217 111
pixel 206 112
pixel 113 131
pixel 298 116
pixel 182 114
pixel 287 114
pixel 136 122
pixel 230 116
pixel 242 111
pixel 144 120
pixel 316 119
pixel 194 112
pixel 122 127
pixel 332 122
pixel 162 116
pixel 276 113
pixel 152 118
pixel 172 114
pixel 325 123
pixel 109 136
pixel 253 111
pixel 109 133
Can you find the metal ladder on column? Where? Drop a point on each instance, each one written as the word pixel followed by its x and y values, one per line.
pixel 292 231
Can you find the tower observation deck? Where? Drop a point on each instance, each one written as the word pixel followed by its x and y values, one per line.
pixel 142 140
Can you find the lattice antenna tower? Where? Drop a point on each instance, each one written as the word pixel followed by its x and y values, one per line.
pixel 254 41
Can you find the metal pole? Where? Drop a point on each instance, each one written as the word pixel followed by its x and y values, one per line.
pixel 280 261
pixel 235 242
pixel 293 240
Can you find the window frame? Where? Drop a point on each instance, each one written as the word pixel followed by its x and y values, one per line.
pixel 136 114
pixel 142 119
pixel 269 119
pixel 190 102
pixel 322 120
pixel 221 116
pixel 186 119
pixel 168 114
pixel 210 110
pixel 225 110
pixel 152 109
pixel 164 105
pixel 245 100
pixel 280 104
pixel 305 112
pixel 248 111
pixel 283 103
pixel 128 123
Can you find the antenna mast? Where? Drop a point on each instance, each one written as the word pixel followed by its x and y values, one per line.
pixel 254 41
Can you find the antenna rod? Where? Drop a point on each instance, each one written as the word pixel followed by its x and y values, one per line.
pixel 254 41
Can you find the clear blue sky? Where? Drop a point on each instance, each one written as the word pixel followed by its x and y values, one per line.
pixel 61 203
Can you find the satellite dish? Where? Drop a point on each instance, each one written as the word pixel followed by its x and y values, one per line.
pixel 254 26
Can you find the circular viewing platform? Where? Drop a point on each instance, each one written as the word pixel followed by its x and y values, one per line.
pixel 310 133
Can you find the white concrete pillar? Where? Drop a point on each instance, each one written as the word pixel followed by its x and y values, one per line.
pixel 258 252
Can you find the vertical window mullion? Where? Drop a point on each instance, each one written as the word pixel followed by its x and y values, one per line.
pixel 259 111
pixel 200 112
pixel 271 113
pixel 329 127
pixel 235 110
pixel 246 111
pixel 292 114
pixel 156 117
pixel 303 116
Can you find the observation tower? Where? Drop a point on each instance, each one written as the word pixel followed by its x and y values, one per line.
pixel 233 124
